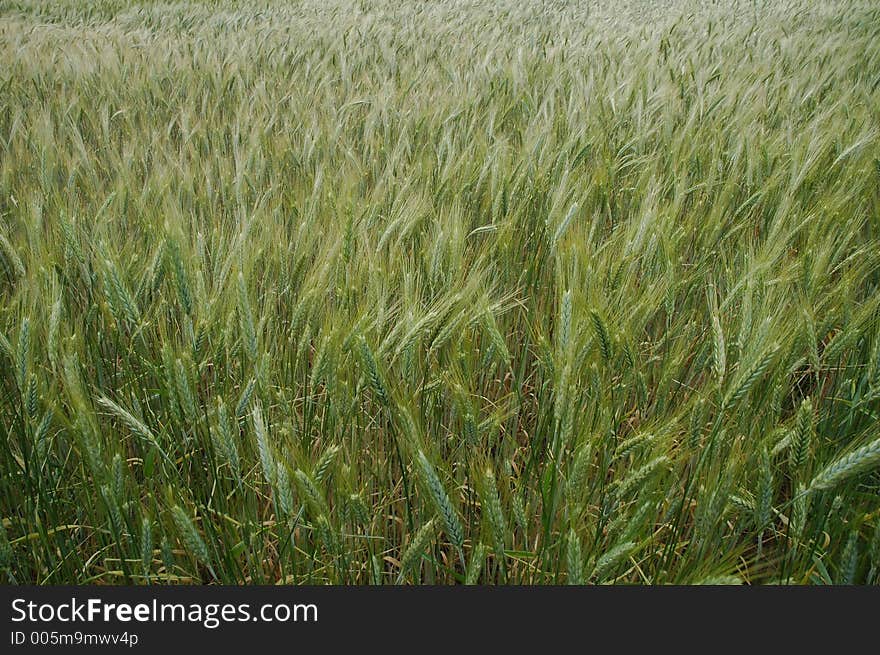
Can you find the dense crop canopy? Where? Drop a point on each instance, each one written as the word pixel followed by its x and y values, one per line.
pixel 504 292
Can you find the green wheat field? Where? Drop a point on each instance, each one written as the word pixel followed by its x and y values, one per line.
pixel 453 292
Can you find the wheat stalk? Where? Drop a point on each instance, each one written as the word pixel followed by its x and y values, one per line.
pixel 440 500
pixel 846 467
pixel 190 536
pixel 574 558
pixel 416 548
